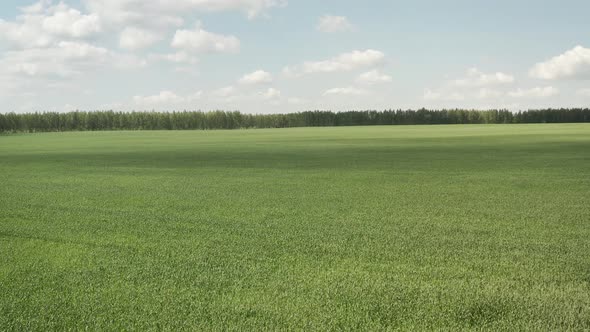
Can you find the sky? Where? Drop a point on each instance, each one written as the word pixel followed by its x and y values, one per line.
pixel 277 56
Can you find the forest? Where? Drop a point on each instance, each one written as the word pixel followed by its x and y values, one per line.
pixel 198 120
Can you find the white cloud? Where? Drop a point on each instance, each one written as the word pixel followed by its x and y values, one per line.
pixel 331 24
pixel 28 33
pixel 201 41
pixel 65 59
pixel 350 91
pixel 48 41
pixel 252 8
pixel 225 92
pixel 178 58
pixel 233 94
pixel 476 78
pixel 537 92
pixel 374 77
pixel 257 77
pixel 194 96
pixel 135 12
pixel 35 8
pixel 166 98
pixel 69 22
pixel 474 85
pixel 133 38
pixel 343 62
pixel 42 26
pixel 583 92
pixel 169 13
pixel 573 64
pixel 271 94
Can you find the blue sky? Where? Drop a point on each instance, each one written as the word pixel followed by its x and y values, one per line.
pixel 268 56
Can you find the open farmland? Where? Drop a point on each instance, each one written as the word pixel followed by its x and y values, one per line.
pixel 372 228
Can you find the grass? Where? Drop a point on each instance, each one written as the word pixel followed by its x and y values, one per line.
pixel 370 228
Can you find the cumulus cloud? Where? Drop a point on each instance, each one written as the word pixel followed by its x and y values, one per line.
pixel 271 94
pixel 573 64
pixel 42 25
pixel 50 41
pixel 233 94
pixel 331 24
pixel 343 62
pixel 537 92
pixel 178 58
pixel 476 78
pixel 133 38
pixel 252 8
pixel 348 91
pixel 475 85
pixel 36 7
pixel 225 92
pixel 374 77
pixel 69 22
pixel 257 77
pixel 166 98
pixel 162 97
pixel 26 34
pixel 201 41
pixel 64 60
pixel 169 13
pixel 135 12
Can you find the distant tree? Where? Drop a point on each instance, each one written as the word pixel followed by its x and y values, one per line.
pixel 197 120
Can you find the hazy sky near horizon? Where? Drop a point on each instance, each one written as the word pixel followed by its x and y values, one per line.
pixel 270 56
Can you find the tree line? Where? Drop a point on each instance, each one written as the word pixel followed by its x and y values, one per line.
pixel 197 120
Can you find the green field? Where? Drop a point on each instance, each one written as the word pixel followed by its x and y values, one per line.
pixel 370 228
